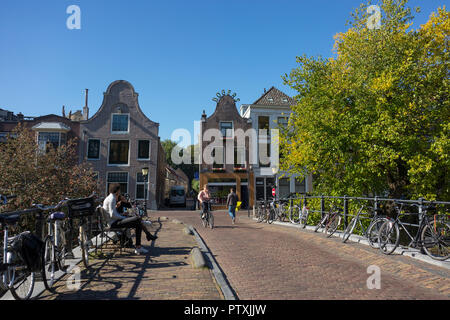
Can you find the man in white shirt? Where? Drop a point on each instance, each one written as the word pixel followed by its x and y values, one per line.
pixel 119 221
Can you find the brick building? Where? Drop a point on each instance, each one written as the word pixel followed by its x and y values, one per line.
pixel 119 140
pixel 221 175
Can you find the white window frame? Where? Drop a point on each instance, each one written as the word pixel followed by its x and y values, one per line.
pixel 99 151
pixel 129 153
pixel 128 180
pixel 141 183
pixel 128 126
pixel 149 149
pixel 232 129
pixel 59 137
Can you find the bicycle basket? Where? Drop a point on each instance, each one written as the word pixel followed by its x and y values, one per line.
pixel 81 207
pixel 29 249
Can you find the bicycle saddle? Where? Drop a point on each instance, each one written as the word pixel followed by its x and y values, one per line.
pixel 9 219
pixel 57 216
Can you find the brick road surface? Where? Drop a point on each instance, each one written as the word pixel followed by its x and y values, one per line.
pixel 164 274
pixel 264 261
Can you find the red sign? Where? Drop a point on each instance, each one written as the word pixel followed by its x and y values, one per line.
pixel 273 192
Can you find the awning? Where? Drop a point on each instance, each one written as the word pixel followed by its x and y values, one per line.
pixel 51 126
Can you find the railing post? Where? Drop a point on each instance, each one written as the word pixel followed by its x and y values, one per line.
pixel 375 206
pixel 345 212
pixel 322 206
pixel 420 210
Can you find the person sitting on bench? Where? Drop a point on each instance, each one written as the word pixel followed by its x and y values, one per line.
pixel 119 221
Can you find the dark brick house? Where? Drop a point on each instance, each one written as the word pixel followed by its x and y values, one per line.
pixel 222 175
pixel 119 140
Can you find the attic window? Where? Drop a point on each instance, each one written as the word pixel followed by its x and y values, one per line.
pixel 285 100
pixel 270 99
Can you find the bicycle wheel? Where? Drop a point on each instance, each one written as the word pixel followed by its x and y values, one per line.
pixel 23 283
pixel 374 230
pixel 333 225
pixel 84 243
pixel 294 215
pixel 304 218
pixel 348 231
pixel 271 216
pixel 436 240
pixel 389 237
pixel 211 221
pixel 48 264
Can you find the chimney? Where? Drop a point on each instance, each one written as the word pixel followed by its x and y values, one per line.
pixel 86 108
pixel 204 116
pixel 264 90
pixel 64 111
pixel 20 116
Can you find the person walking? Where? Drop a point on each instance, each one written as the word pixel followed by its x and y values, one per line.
pixel 231 204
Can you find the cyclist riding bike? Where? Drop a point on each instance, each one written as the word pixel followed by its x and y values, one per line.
pixel 203 197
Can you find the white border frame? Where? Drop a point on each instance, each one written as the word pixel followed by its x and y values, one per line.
pixel 111 125
pixel 99 150
pixel 149 150
pixel 128 181
pixel 129 153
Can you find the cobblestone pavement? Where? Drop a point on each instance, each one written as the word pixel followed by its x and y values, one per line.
pixel 264 261
pixel 163 274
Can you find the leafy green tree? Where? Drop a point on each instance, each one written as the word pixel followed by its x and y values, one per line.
pixel 188 168
pixel 373 119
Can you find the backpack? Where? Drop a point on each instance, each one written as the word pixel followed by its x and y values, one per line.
pixel 29 249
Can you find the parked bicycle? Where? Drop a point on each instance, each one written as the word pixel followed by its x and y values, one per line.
pixel 331 221
pixel 433 235
pixel 20 256
pixel 82 210
pixel 55 244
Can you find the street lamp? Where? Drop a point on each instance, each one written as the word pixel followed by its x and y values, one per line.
pixel 145 175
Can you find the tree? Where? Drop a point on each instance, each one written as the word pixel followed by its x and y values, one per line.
pixel 373 119
pixel 47 177
pixel 188 168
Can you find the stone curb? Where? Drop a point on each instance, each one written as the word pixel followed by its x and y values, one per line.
pixel 408 252
pixel 226 289
pixel 197 259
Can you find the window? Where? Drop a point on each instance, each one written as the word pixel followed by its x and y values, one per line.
pixel 283 121
pixel 300 186
pixel 218 162
pixel 54 139
pixel 284 187
pixel 239 157
pixel 118 152
pixel 227 129
pixel 264 154
pixel 141 186
pixel 119 123
pixel 263 126
pixel 120 178
pixel 144 149
pixel 93 149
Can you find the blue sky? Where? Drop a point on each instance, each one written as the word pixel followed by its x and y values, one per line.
pixel 177 54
